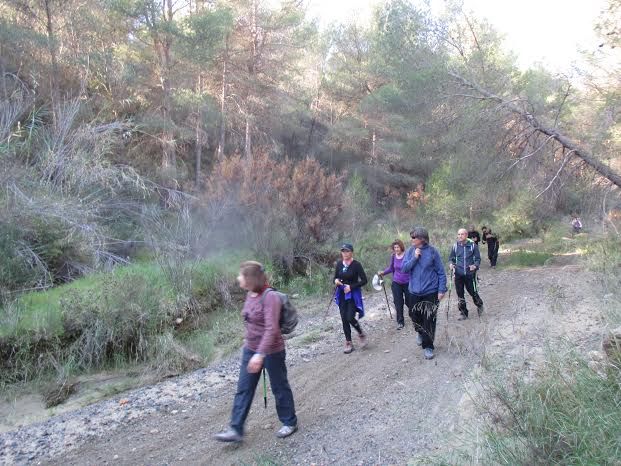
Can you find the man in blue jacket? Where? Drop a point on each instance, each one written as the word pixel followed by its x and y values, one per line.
pixel 465 259
pixel 427 286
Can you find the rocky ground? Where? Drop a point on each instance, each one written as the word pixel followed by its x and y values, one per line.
pixel 384 404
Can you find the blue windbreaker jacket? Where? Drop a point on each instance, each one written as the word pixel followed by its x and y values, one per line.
pixel 427 274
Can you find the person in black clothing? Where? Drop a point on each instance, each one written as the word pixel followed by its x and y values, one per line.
pixel 493 244
pixel 349 278
pixel 474 235
pixel 465 260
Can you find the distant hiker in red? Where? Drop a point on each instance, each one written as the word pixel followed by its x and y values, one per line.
pixel 349 278
pixel 400 280
pixel 263 347
pixel 465 259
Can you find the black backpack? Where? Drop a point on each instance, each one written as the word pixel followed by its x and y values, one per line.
pixel 288 312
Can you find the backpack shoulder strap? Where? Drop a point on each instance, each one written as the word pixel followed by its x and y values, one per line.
pixel 265 294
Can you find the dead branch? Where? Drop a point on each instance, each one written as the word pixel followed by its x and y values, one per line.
pixel 565 160
pixel 524 157
pixel 583 154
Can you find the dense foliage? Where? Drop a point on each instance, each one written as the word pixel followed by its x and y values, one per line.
pixel 166 131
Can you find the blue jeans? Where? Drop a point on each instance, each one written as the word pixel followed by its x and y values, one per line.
pixel 247 384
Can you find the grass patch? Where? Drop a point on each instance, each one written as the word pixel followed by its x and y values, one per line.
pixel 570 415
pixel 134 315
pixel 263 460
pixel 525 259
pixel 604 257
pixel 310 337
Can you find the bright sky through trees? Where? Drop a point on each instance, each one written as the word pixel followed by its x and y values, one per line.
pixel 548 31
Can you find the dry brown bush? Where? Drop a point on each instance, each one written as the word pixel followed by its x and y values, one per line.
pixel 274 206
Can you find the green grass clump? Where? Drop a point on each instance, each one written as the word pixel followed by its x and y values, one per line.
pixel 604 257
pixel 570 415
pixel 525 259
pixel 134 314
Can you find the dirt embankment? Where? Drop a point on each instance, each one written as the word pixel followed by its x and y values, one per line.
pixel 381 405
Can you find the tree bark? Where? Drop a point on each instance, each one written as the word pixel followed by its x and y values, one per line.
pixel 200 140
pixel 599 167
pixel 222 139
pixel 248 142
pixel 51 44
pixel 169 153
pixel 5 92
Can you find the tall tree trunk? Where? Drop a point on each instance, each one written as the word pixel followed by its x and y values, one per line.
pixel 222 138
pixel 51 44
pixel 169 152
pixel 248 142
pixel 5 92
pixel 373 147
pixel 200 140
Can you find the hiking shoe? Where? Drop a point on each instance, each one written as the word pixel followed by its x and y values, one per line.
pixel 286 431
pixel 363 340
pixel 399 326
pixel 480 310
pixel 462 317
pixel 428 353
pixel 419 339
pixel 348 347
pixel 228 435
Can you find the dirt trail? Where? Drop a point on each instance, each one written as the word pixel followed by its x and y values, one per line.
pixel 381 405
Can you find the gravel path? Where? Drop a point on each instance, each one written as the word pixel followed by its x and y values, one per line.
pixel 381 405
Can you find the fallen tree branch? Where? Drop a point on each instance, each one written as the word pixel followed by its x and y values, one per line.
pixel 583 154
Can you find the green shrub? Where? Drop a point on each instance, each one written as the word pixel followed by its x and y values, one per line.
pixel 571 414
pixel 117 318
pixel 516 220
pixel 604 257
pixel 17 270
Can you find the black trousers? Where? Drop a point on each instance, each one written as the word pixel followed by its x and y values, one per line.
pixel 492 253
pixel 348 317
pixel 400 296
pixel 423 311
pixel 470 283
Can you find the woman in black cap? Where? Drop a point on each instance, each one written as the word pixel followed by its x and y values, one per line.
pixel 349 278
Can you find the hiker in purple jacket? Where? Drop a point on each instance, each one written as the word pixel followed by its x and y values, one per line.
pixel 263 347
pixel 400 280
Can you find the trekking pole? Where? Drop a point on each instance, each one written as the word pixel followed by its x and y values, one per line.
pixel 448 303
pixel 387 303
pixel 330 303
pixel 264 390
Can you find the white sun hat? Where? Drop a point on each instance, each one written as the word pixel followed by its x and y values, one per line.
pixel 377 282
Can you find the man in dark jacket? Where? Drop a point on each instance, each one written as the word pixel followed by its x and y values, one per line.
pixel 426 287
pixel 465 260
pixel 474 235
pixel 493 244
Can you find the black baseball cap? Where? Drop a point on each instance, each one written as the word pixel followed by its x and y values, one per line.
pixel 347 247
